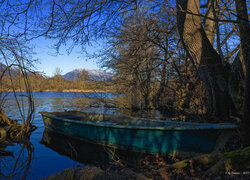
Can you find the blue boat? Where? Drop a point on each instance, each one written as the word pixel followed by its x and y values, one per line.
pixel 140 134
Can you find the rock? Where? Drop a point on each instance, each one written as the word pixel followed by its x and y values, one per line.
pixel 86 173
pixel 66 174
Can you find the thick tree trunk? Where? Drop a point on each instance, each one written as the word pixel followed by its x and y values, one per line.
pixel 212 72
pixel 209 24
pixel 241 8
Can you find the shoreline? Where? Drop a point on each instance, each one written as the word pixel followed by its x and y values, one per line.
pixel 65 90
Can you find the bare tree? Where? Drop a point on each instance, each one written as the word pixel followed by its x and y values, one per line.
pixel 58 71
pixel 78 21
pixel 15 52
pixel 135 59
pixel 83 76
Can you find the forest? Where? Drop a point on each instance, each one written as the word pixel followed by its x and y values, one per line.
pixel 187 58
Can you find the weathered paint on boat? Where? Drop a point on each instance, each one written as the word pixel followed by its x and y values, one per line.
pixel 138 134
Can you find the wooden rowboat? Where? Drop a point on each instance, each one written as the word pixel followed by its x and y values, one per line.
pixel 139 134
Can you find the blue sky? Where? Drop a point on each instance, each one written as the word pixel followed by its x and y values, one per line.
pixel 66 62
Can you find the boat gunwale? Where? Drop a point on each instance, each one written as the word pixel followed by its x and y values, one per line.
pixel 202 126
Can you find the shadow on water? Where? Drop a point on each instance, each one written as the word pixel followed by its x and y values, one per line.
pixel 18 165
pixel 85 152
pixel 75 149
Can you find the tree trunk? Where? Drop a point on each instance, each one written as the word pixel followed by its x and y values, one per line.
pixel 242 17
pixel 163 80
pixel 209 26
pixel 134 94
pixel 207 61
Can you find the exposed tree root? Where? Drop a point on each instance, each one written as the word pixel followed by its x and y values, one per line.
pixel 12 131
pixel 213 164
pixel 4 120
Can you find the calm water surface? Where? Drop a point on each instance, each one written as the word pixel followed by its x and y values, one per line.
pixel 49 153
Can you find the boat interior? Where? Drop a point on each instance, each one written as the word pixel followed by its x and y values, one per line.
pixel 109 119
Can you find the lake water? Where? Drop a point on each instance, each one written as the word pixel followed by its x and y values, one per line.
pixel 48 153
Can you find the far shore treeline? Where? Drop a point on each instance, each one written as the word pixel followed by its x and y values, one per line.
pixel 57 83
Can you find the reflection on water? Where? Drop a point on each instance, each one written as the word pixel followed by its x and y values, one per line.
pixel 18 165
pixel 77 150
pixel 84 152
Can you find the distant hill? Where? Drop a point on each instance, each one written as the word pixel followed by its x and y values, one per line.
pixel 13 71
pixel 2 67
pixel 94 75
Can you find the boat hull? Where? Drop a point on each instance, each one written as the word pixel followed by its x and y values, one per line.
pixel 152 141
